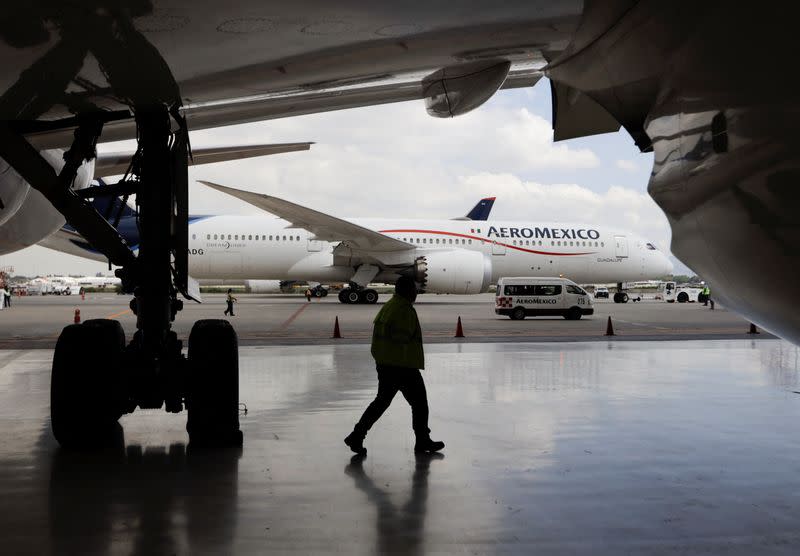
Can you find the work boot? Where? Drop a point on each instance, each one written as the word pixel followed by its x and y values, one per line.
pixel 356 444
pixel 426 446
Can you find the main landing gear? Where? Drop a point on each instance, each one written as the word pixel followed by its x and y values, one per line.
pixel 353 295
pixel 97 377
pixel 620 296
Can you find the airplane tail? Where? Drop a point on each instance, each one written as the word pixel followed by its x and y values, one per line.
pixel 112 208
pixel 115 211
pixel 481 210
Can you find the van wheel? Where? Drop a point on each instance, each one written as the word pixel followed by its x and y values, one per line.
pixel 518 314
pixel 574 313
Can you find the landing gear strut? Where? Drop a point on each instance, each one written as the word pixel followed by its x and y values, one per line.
pixel 96 377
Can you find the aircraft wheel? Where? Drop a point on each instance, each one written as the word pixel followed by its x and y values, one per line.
pixel 212 396
pixel 86 396
pixel 518 314
pixel 624 298
pixel 353 296
pixel 370 297
pixel 343 296
pixel 323 292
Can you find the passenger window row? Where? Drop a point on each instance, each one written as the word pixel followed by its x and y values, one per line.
pixel 250 237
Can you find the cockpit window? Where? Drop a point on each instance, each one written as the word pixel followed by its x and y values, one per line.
pixel 651 247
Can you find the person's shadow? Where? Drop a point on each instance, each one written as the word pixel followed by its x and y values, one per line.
pixel 398 528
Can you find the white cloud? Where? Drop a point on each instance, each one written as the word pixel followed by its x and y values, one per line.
pixel 627 165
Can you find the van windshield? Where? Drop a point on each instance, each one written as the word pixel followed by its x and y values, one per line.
pixel 575 290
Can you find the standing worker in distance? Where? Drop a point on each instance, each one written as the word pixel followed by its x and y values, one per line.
pixel 230 300
pixel 397 350
pixel 308 294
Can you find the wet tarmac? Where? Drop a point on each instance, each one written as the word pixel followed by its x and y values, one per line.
pixel 291 320
pixel 571 448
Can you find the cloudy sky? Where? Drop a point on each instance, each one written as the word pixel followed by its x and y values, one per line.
pixel 396 161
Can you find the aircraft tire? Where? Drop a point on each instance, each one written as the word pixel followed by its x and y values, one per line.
pixel 343 296
pixel 86 396
pixel 212 396
pixel 353 296
pixel 370 297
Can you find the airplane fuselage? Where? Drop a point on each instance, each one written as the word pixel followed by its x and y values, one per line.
pixel 258 247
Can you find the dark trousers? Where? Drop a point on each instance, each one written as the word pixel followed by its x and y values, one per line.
pixel 390 381
pixel 229 309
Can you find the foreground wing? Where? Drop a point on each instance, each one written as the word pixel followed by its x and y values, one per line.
pixel 308 99
pixel 324 226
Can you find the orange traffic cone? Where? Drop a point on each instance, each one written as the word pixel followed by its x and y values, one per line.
pixel 459 329
pixel 336 332
pixel 77 319
pixel 609 328
pixel 753 329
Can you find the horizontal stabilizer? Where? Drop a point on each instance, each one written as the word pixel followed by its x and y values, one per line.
pixel 112 164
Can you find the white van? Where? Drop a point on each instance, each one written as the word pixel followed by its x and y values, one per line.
pixel 523 297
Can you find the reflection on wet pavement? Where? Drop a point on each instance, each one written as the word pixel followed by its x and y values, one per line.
pixel 591 448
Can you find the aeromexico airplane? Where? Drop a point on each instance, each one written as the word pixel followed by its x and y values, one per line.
pixel 462 256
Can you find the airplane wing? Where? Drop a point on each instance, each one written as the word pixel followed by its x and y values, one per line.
pixel 324 226
pixel 307 99
pixel 112 164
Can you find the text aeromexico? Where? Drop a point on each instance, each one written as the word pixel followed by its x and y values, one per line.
pixel 544 233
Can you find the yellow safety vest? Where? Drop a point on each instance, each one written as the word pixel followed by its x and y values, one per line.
pixel 397 336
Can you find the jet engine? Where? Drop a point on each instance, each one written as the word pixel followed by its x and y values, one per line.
pixel 262 286
pixel 26 216
pixel 461 272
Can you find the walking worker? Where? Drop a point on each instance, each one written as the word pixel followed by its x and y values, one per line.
pixel 398 354
pixel 706 295
pixel 230 300
pixel 308 294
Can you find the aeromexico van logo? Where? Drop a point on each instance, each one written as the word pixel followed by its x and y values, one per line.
pixel 544 233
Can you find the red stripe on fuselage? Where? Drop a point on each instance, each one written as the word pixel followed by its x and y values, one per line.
pixel 454 234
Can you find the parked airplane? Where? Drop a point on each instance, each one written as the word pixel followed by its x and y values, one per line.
pixel 444 256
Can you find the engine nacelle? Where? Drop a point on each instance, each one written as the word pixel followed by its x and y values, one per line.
pixel 262 286
pixel 459 271
pixel 13 191
pixel 26 216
